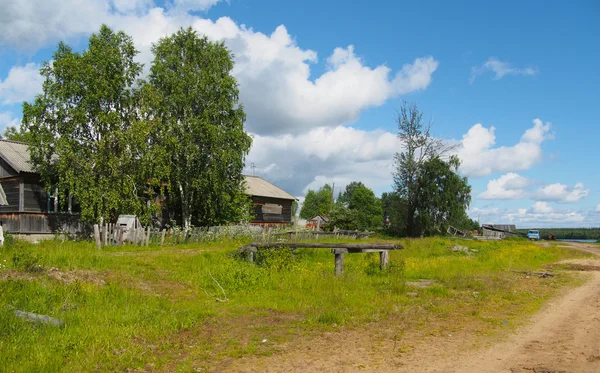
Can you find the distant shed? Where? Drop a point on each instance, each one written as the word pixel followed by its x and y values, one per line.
pixel 499 231
pixel 272 205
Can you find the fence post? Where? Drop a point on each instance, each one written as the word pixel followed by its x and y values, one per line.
pixel 339 260
pixel 162 238
pixel 97 236
pixel 384 259
pixel 148 236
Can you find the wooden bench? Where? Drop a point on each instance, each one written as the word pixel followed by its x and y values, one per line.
pixel 338 249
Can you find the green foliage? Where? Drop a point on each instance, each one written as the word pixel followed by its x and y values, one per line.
pixel 87 137
pixel 394 213
pixel 318 202
pixel 442 196
pixel 202 125
pixel 433 194
pixel 357 208
pixel 25 260
pixel 16 134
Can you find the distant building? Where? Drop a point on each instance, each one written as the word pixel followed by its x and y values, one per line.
pixel 272 205
pixel 499 231
pixel 318 221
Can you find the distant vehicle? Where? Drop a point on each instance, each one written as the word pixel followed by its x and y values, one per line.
pixel 533 235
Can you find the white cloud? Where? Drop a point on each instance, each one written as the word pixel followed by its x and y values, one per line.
pixel 21 84
pixel 561 193
pixel 6 120
pixel 325 155
pixel 276 86
pixel 194 5
pixel 500 69
pixel 598 208
pixel 541 208
pixel 480 158
pixel 509 186
pixel 538 215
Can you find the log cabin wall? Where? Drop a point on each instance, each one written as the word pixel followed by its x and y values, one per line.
pixel 271 210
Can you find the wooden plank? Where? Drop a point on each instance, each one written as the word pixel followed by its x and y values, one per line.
pixel 148 236
pixel 105 234
pixel 97 236
pixel 162 238
pixel 324 245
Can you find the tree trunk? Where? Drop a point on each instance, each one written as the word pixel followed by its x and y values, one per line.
pixel 185 207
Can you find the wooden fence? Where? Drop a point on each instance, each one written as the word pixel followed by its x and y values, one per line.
pixel 114 235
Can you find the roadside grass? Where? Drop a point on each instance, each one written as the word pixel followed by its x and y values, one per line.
pixel 155 309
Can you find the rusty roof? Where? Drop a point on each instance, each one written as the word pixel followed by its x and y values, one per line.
pixel 257 186
pixel 16 155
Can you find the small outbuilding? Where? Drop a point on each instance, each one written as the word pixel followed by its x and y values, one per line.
pixel 272 205
pixel 499 231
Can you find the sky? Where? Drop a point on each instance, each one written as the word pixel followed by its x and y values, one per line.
pixel 515 84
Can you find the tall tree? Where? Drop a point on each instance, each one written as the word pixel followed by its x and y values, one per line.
pixel 442 196
pixel 357 208
pixel 203 127
pixel 418 147
pixel 317 202
pixel 86 133
pixel 394 213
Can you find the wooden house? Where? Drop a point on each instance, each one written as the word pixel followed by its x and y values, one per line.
pixel 272 205
pixel 25 206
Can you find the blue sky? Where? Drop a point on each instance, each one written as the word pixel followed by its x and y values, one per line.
pixel 321 82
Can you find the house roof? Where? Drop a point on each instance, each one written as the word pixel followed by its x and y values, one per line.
pixel 257 186
pixel 16 155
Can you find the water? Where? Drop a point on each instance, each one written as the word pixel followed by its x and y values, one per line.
pixel 574 240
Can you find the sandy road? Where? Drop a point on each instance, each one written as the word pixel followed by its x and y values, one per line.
pixel 565 336
pixel 562 337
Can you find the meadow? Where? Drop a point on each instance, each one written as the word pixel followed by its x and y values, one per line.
pixel 189 307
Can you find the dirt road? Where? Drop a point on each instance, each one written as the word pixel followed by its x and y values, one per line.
pixel 563 337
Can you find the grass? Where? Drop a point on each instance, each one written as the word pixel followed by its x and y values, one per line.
pixel 152 308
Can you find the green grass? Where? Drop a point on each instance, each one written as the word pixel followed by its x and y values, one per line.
pixel 148 308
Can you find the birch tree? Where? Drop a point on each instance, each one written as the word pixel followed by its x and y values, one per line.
pixel 203 127
pixel 87 136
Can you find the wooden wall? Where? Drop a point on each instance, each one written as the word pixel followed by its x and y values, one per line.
pixel 270 213
pixel 11 188
pixel 6 170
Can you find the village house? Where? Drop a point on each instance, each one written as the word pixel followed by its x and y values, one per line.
pixel 27 208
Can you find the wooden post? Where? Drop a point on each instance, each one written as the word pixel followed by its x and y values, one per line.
pixel 251 251
pixel 269 234
pixel 162 238
pixel 97 236
pixel 339 260
pixel 135 230
pixel 105 237
pixel 148 236
pixel 121 236
pixel 384 259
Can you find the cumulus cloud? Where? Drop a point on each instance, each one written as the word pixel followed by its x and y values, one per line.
pixel 325 155
pixel 509 186
pixel 598 208
pixel 277 88
pixel 480 158
pixel 561 193
pixel 541 208
pixel 500 69
pixel 6 120
pixel 540 214
pixel 21 84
